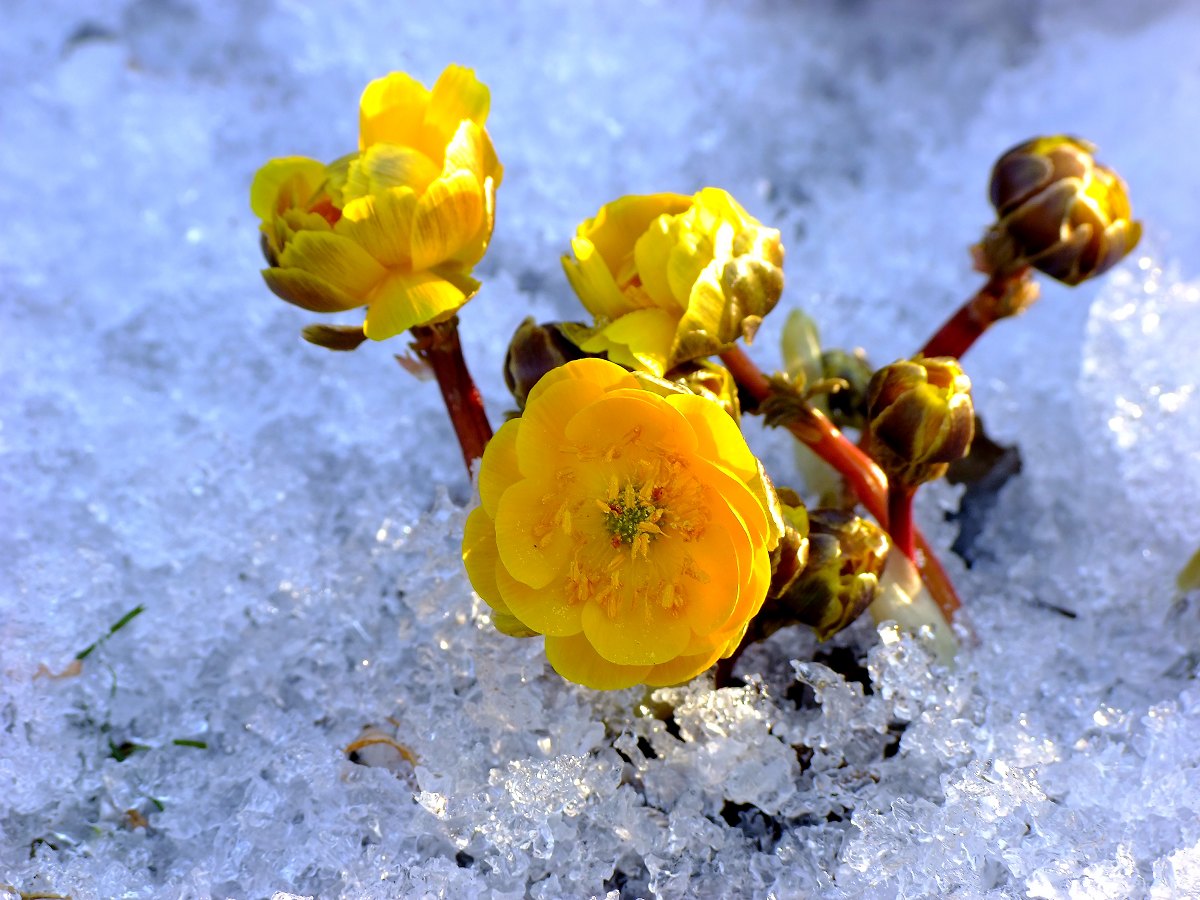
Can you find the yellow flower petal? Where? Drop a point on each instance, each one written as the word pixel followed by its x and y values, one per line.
pixel 540 440
pixel 308 291
pixel 617 226
pixel 720 204
pixel 385 166
pixel 739 498
pixel 643 632
pixel 704 644
pixel 471 150
pixel 449 214
pixel 404 300
pixel 718 435
pixel 457 95
pixel 481 557
pixel 507 623
pixel 334 259
pixel 392 110
pixel 546 610
pixel 297 178
pixel 710 582
pixel 651 253
pixel 681 669
pixel 576 660
pixel 646 335
pixel 382 223
pixel 499 467
pixel 593 281
pixel 753 563
pixel 474 247
pixel 533 532
pixel 710 313
pixel 630 423
pixel 599 372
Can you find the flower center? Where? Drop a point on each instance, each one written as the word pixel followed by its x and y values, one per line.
pixel 632 514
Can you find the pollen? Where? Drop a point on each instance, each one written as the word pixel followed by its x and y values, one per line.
pixel 631 515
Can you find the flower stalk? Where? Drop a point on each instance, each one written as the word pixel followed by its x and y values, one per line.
pixel 900 518
pixel 438 345
pixel 1004 294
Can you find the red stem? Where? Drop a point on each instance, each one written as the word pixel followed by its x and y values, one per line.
pixel 957 334
pixel 1001 296
pixel 861 473
pixel 438 345
pixel 900 519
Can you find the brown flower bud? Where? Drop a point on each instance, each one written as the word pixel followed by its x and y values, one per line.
pixel 1059 211
pixel 533 351
pixel 919 418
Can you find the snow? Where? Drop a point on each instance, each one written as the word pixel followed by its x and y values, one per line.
pixel 290 518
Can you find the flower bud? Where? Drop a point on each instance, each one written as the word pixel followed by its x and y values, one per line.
pixel 533 351
pixel 847 406
pixel 846 555
pixel 790 556
pixel 672 279
pixel 1060 211
pixel 919 418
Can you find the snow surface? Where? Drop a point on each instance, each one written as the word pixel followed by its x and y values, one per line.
pixel 290 518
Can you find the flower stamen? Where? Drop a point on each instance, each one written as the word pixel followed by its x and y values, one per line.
pixel 631 517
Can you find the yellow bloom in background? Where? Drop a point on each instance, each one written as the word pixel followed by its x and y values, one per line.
pixel 671 278
pixel 632 530
pixel 397 226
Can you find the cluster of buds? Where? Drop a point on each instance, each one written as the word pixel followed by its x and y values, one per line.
pixel 623 517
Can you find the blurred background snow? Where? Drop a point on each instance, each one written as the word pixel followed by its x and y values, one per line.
pixel 289 519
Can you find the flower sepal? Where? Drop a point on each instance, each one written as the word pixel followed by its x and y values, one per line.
pixel 334 337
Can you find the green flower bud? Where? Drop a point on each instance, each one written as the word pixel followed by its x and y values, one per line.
pixel 1059 211
pixel 847 406
pixel 533 351
pixel 919 418
pixel 846 555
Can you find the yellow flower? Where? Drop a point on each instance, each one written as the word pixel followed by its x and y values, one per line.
pixel 397 226
pixel 671 278
pixel 632 530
